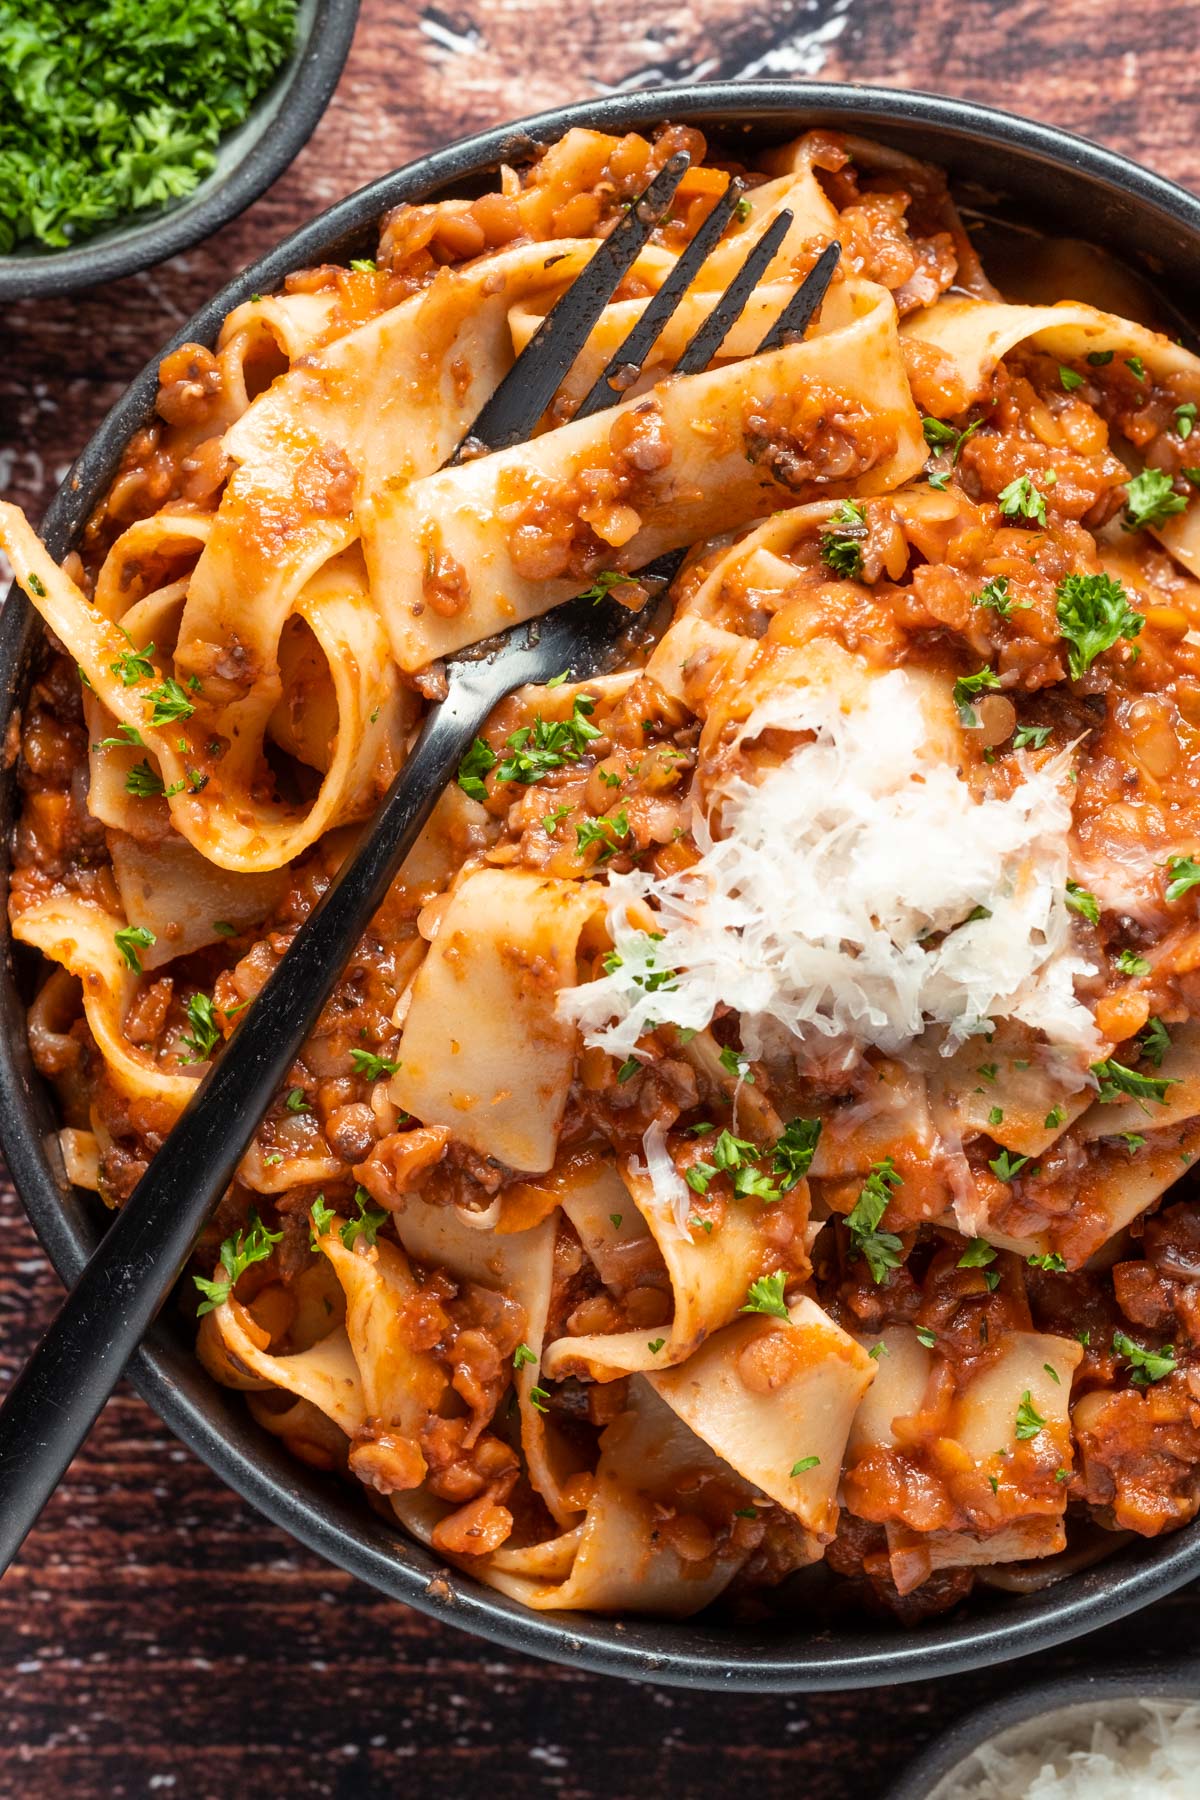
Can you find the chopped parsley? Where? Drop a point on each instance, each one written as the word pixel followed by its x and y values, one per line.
pixel 370 1066
pixel 766 1295
pixel 967 690
pixel 1029 1420
pixel 143 782
pixel 523 1355
pixel 1146 1366
pixel 881 1249
pixel 1054 1118
pixel 1050 1261
pixel 1035 735
pixel 1130 963
pixel 253 1245
pixel 295 1101
pixel 1136 367
pixel 1093 612
pixel 1151 499
pixel 1084 902
pixel 792 1155
pixel 628 1070
pixel 1022 500
pixel 129 940
pixel 205 1034
pixel 126 735
pixel 604 583
pixel 322 1217
pixel 995 594
pixel 1069 379
pixel 223 928
pixel 170 702
pixel 926 1337
pixel 363 265
pixel 1100 359
pixel 1154 1042
pixel 110 110
pixel 365 1225
pixel 940 436
pixel 609 832
pixel 1185 419
pixel 996 1116
pixel 734 1063
pixel 134 665
pixel 805 1462
pixel 654 1345
pixel 841 541
pixel 536 749
pixel 977 1255
pixel 478 761
pixel 1007 1167
pixel 1184 873
pixel 552 820
pixel 1133 1141
pixel 1117 1082
pixel 539 1399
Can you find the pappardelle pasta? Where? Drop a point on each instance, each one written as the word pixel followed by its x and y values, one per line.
pixel 744 1137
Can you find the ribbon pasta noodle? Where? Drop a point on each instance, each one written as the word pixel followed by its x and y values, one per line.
pixel 755 1130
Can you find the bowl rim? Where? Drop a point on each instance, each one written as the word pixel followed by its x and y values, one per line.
pixel 169 1378
pixel 298 96
pixel 948 1753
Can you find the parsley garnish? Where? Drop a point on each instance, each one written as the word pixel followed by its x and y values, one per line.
pixel 1146 1366
pixel 995 594
pixel 1136 367
pixel 170 702
pixel 472 768
pixel 143 782
pixel 940 436
pixel 977 1255
pixel 1069 379
pixel 1185 419
pixel 1029 1420
pixel 742 210
pixel 552 820
pixel 126 735
pixel 1022 500
pixel 536 749
pixel 223 928
pixel 603 584
pixel 1007 1167
pixel 205 1034
pixel 1133 1141
pixel 134 666
pixel 628 1070
pixel 926 1337
pixel 522 1355
pixel 1130 963
pixel 1154 1042
pixel 841 541
pixel 1054 1118
pixel 1084 902
pixel 367 1064
pixel 1116 1081
pixel 295 1101
pixel 322 1217
pixel 766 1295
pixel 608 832
pixel 1100 359
pixel 734 1063
pixel 539 1399
pixel 237 1253
pixel 654 1345
pixel 363 265
pixel 1184 872
pixel 366 1225
pixel 1050 1260
pixel 1152 498
pixel 1037 735
pixel 792 1155
pixel 967 690
pixel 111 109
pixel 129 940
pixel 805 1462
pixel 880 1248
pixel 1093 612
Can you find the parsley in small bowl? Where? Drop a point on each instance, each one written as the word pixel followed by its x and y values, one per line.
pixel 133 128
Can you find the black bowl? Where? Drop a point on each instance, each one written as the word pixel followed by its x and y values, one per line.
pixel 1065 1708
pixel 280 123
pixel 1064 185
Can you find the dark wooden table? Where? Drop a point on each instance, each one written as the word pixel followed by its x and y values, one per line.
pixel 157 1636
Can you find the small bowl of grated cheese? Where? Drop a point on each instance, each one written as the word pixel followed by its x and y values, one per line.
pixel 1091 1738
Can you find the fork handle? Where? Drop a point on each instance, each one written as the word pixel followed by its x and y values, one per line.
pixel 55 1400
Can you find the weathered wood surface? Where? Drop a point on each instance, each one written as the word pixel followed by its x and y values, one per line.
pixel 157 1636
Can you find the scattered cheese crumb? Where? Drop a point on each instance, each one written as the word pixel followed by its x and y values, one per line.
pixel 1157 1758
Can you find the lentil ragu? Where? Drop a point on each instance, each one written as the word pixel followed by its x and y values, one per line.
pixel 755 1129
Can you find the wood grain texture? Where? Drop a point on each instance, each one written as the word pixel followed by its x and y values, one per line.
pixel 157 1636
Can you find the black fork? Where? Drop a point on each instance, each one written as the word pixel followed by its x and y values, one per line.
pixel 55 1399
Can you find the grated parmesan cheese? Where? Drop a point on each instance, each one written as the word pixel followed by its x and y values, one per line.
pixel 1155 1758
pixel 810 914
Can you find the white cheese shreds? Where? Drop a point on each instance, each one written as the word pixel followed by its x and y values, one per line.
pixel 1157 1758
pixel 811 913
pixel 670 1190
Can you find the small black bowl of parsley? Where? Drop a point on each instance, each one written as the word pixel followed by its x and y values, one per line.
pixel 130 129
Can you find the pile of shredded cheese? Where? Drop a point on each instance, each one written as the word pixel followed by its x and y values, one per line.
pixel 858 895
pixel 1158 1758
